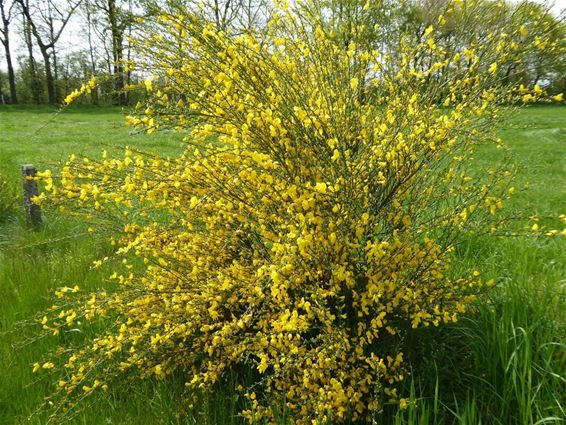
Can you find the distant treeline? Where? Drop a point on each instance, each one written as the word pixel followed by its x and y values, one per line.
pixel 40 73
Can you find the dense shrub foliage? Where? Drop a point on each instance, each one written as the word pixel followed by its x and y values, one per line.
pixel 310 224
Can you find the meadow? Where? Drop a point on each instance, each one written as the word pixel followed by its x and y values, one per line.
pixel 503 364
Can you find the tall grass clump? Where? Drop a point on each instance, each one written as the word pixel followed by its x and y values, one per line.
pixel 504 362
pixel 8 198
pixel 518 346
pixel 308 231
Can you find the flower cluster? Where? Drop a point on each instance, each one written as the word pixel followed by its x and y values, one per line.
pixel 310 224
pixel 87 87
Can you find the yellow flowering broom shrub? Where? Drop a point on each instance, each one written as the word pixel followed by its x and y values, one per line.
pixel 309 226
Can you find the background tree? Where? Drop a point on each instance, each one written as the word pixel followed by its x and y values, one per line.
pixel 47 20
pixel 92 48
pixel 544 62
pixel 234 16
pixel 112 20
pixel 110 24
pixel 6 14
pixel 29 66
pixel 1 92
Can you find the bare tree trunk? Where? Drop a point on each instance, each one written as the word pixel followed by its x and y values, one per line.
pixel 44 49
pixel 53 53
pixel 53 37
pixel 129 51
pixel 94 93
pixel 11 74
pixel 5 31
pixel 54 56
pixel 34 86
pixel 66 78
pixel 117 52
pixel 49 80
pixel 1 94
pixel 217 14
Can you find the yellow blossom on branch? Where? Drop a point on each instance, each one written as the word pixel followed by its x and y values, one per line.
pixel 310 224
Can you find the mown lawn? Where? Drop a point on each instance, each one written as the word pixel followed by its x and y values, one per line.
pixel 513 346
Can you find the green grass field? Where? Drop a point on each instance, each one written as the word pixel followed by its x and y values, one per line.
pixel 504 364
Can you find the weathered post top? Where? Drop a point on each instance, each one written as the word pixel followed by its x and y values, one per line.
pixel 33 212
pixel 28 170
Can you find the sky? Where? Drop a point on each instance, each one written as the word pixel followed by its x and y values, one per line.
pixel 73 38
pixel 559 5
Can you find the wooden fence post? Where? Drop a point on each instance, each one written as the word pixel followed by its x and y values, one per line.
pixel 33 212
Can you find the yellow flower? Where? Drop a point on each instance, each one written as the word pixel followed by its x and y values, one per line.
pixel 354 83
pixel 320 187
pixel 293 195
pixel 523 31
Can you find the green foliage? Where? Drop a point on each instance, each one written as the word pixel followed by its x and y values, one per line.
pixel 524 343
pixel 504 363
pixel 536 136
pixel 316 234
pixel 312 230
pixel 8 197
